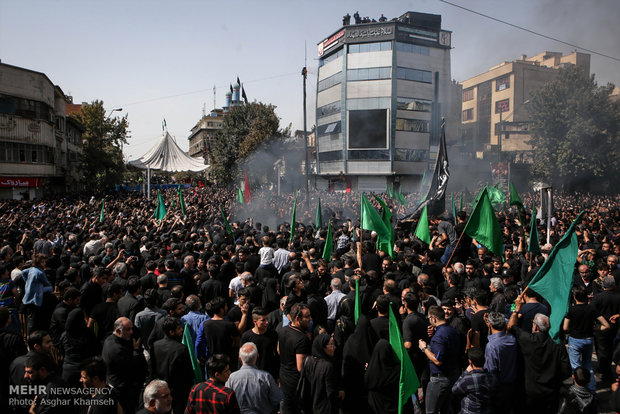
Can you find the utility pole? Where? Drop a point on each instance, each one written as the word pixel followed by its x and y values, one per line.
pixel 304 74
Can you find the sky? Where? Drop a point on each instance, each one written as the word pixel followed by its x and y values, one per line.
pixel 161 59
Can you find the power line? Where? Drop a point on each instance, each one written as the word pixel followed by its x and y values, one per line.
pixel 531 31
pixel 204 90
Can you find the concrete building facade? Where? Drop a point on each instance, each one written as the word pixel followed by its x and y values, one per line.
pixel 381 93
pixel 40 146
pixel 495 117
pixel 203 134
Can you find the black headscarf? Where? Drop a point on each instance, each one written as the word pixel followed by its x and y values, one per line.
pixel 75 325
pixel 318 346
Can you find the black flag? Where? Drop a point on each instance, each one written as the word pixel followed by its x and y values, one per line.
pixel 243 95
pixel 435 199
pixel 238 81
pixel 231 89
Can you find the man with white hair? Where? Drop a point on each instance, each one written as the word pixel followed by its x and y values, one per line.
pixel 157 398
pixel 256 390
pixel 546 363
pixel 333 300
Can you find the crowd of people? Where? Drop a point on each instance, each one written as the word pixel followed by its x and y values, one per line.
pixel 105 309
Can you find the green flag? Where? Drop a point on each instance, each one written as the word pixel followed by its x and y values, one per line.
pixel 181 200
pixel 483 226
pixel 370 220
pixel 554 280
pixel 515 200
pixel 401 197
pixel 408 382
pixel 187 341
pixel 160 210
pixel 534 245
pixel 293 219
pixel 386 216
pixel 240 199
pixel 228 229
pixel 496 196
pixel 422 231
pixel 389 191
pixel 453 208
pixel 358 305
pixel 329 243
pixel 319 215
pixel 102 213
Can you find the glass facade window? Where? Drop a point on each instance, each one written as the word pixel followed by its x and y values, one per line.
pixel 502 83
pixel 328 109
pixel 17 152
pixel 369 103
pixel 412 155
pixel 468 114
pixel 416 75
pixel 329 129
pixel 502 106
pixel 331 57
pixel 412 125
pixel 330 156
pixel 377 155
pixel 369 74
pixel 331 81
pixel 413 104
pixel 409 48
pixel 370 47
pixel 468 94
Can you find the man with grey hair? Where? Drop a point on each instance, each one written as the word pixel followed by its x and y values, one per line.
pixel 333 300
pixel 546 363
pixel 157 398
pixel 498 301
pixel 256 390
pixel 501 355
pixel 607 304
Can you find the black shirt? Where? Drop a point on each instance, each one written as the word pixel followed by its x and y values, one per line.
pixel 266 344
pixel 582 317
pixel 292 342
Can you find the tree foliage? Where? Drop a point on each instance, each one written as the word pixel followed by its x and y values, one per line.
pixel 575 132
pixel 245 129
pixel 102 158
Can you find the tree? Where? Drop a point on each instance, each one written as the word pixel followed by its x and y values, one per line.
pixel 575 133
pixel 245 129
pixel 102 157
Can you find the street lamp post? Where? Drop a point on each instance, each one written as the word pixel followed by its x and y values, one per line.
pixel 304 74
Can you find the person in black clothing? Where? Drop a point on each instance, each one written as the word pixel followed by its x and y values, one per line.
pixel 101 319
pixel 579 323
pixel 93 376
pixel 546 363
pixel 40 369
pixel 414 329
pixel 171 362
pixel 479 330
pixel 380 324
pixel 92 292
pixel 265 338
pixel 607 304
pixel 77 344
pixel 125 363
pixel 220 336
pixel 294 346
pixel 129 305
pixel 11 346
pixel 318 372
pixel 70 299
pixel 241 315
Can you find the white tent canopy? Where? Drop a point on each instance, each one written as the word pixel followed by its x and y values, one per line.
pixel 167 156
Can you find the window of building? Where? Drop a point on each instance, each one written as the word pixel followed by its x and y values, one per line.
pixel 329 129
pixel 376 155
pixel 413 104
pixel 331 57
pixel 409 48
pixel 502 106
pixel 331 81
pixel 369 74
pixel 412 155
pixel 468 114
pixel 328 109
pixel 16 152
pixel 502 83
pixel 370 47
pixel 468 94
pixel 330 156
pixel 412 125
pixel 416 75
pixel 368 129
